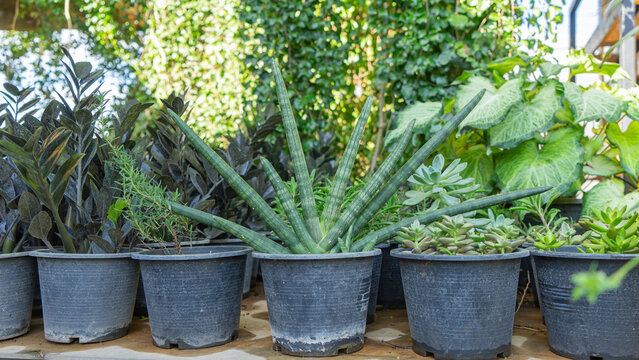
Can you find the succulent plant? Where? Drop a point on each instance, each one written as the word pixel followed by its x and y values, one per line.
pixel 458 236
pixel 613 231
pixel 315 232
pixel 500 241
pixel 553 231
pixel 439 186
pixel 415 237
pixel 548 241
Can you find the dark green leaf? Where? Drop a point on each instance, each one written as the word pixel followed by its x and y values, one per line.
pixel 28 206
pixel 101 243
pixel 33 141
pixel 52 148
pixel 12 89
pixel 40 226
pixel 61 179
pixel 82 69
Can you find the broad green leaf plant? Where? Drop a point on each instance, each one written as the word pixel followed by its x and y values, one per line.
pixel 529 129
pixel 332 230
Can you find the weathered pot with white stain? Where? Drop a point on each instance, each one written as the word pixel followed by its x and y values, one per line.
pixel 317 304
pixel 17 278
pixel 88 297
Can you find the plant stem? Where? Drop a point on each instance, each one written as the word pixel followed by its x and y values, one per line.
pixel 67 241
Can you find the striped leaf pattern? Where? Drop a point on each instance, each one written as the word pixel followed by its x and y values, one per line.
pixel 412 164
pixel 294 217
pixel 377 180
pixel 309 208
pixel 336 195
pixel 239 185
pixel 306 235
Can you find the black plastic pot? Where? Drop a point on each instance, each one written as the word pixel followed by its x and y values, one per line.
pixel 88 297
pixel 317 304
pixel 140 308
pixel 377 269
pixel 17 278
pixel 391 291
pixel 193 299
pixel 250 273
pixel 574 249
pixel 140 299
pixel 37 299
pixel 460 307
pixel 607 329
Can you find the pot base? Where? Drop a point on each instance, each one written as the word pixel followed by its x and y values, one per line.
pixel 590 356
pixel 86 338
pixel 425 350
pixel 10 334
pixel 333 348
pixel 182 345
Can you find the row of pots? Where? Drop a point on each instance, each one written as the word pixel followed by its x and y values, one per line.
pixel 458 306
pixel 193 300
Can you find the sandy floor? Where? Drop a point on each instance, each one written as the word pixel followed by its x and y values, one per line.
pixel 387 338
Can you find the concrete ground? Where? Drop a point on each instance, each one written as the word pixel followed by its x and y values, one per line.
pixel 387 338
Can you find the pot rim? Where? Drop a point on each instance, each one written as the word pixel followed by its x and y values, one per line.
pixel 338 256
pixel 222 252
pixel 163 245
pixel 46 253
pixel 226 241
pixel 579 256
pixel 16 255
pixel 402 254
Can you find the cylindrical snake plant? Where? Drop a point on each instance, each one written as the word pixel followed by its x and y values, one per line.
pixel 332 232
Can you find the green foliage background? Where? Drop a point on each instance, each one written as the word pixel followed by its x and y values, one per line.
pixel 334 53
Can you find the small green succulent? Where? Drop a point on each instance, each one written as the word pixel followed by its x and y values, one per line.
pixel 458 236
pixel 548 241
pixel 613 231
pixel 415 237
pixel 501 241
pixel 439 186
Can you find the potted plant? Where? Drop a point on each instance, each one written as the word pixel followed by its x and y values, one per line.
pixel 193 293
pixel 175 164
pixel 18 208
pixel 581 328
pixel 58 158
pixel 460 281
pixel 431 187
pixel 17 268
pixel 314 308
